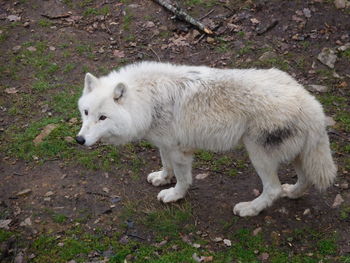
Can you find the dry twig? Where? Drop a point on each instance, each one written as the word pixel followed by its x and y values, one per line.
pixel 184 16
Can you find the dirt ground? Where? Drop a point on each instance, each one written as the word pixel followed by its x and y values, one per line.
pixel 60 202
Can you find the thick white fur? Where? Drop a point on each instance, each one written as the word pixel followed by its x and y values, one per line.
pixel 183 108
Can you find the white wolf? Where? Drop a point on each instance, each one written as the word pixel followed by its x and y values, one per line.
pixel 183 108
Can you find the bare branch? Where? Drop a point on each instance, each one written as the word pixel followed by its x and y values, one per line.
pixel 184 16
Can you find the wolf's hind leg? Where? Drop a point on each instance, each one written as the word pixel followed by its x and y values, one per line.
pixel 164 176
pixel 266 167
pixel 182 164
pixel 294 191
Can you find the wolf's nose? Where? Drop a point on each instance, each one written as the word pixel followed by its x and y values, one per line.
pixel 80 140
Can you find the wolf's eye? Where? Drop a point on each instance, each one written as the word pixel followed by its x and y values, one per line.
pixel 102 118
pixel 86 112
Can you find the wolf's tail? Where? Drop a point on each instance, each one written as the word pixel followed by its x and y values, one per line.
pixel 317 163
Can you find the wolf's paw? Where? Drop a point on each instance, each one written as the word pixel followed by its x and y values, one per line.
pixel 290 191
pixel 158 179
pixel 245 209
pixel 169 195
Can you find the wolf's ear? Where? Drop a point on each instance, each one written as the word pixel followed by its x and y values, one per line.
pixel 119 92
pixel 90 83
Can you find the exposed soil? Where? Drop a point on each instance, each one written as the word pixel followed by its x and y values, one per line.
pixel 129 31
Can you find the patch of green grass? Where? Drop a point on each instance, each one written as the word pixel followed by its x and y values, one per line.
pixel 69 68
pixel 127 20
pixel 204 155
pixel 3 37
pixel 59 218
pixel 41 85
pixel 90 11
pixel 344 118
pixel 5 235
pixel 83 49
pixel 170 220
pixel 45 23
pixel 327 246
pixel 245 50
pixel 344 212
pixel 346 54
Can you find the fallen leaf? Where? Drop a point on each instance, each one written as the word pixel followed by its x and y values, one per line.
pixel 195 245
pixel 49 193
pixel 44 133
pixel 201 176
pixel 257 231
pixel 4 224
pixel 217 239
pixel 14 18
pixel 337 201
pixel 11 90
pixel 24 192
pixel 327 57
pixel 118 53
pixel 26 222
pixel 227 242
pixel 31 49
pixel 105 189
pixel 254 21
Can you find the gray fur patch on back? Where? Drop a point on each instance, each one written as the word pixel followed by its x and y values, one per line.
pixel 277 136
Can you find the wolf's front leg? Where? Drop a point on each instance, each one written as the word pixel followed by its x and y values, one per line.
pixel 182 164
pixel 164 176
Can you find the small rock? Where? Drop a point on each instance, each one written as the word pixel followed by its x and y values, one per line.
pixel 47 199
pixel 20 258
pixel 307 212
pixel 283 210
pixel 201 176
pixel 4 224
pixel 340 4
pixel 105 189
pixel 217 239
pixel 330 121
pixel 254 21
pixel 52 48
pixel 195 245
pixel 196 258
pixel 337 201
pixel 60 244
pixel 227 242
pixel 24 192
pixel 26 222
pixel 149 24
pixel 210 40
pixel 257 231
pixel 318 88
pixel 307 12
pixel 49 193
pixel 11 90
pixel 31 49
pixel 26 24
pixel 16 48
pixel 344 186
pixel 267 55
pixel 124 240
pixel 264 256
pixel 14 18
pixel 344 47
pixel 73 121
pixel 327 57
pixel 161 243
pixel 69 139
pixel 256 192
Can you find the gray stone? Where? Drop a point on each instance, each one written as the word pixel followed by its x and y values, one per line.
pixel 327 57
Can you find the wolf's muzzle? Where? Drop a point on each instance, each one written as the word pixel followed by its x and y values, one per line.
pixel 80 140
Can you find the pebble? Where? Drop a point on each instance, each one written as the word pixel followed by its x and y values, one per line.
pixel 227 242
pixel 318 88
pixel 327 57
pixel 24 192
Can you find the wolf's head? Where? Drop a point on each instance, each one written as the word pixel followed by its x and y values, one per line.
pixel 107 108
